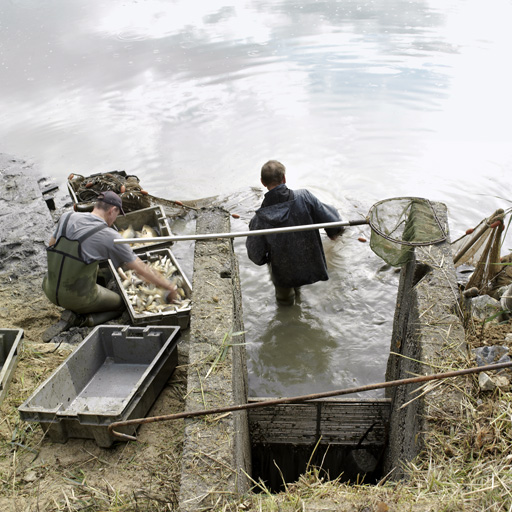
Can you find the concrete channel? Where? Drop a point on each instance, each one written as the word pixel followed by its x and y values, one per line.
pixel 355 437
pixel 223 453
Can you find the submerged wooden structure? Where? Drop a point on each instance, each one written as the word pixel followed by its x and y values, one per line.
pixel 351 422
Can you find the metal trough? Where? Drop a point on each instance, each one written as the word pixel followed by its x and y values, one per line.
pixel 115 374
pixel 9 344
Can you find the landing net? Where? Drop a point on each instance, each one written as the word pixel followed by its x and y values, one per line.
pixel 400 224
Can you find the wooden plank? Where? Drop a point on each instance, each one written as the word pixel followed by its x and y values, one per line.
pixel 349 422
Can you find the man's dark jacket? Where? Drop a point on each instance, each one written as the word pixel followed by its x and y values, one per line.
pixel 295 258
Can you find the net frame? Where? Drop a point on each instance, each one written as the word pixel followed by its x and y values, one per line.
pixel 400 224
pixel 419 200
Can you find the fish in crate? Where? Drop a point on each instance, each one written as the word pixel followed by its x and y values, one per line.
pixel 146 232
pixel 146 298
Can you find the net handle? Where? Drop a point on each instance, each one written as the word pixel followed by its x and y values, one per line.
pixel 255 232
pixel 289 229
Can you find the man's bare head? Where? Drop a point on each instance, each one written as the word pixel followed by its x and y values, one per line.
pixel 273 174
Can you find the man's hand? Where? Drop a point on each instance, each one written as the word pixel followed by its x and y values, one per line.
pixel 337 235
pixel 172 294
pixel 149 275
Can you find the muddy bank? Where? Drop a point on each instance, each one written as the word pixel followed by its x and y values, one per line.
pixel 36 474
pixel 26 225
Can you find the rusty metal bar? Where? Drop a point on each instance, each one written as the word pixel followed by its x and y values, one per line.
pixel 296 399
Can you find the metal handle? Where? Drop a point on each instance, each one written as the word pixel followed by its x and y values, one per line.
pixel 302 398
pixel 212 236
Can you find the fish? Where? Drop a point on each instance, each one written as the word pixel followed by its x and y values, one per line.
pixel 129 232
pixel 148 232
pixel 146 298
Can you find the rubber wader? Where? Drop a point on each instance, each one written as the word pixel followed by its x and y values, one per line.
pixel 71 283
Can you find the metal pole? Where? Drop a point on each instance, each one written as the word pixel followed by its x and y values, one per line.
pixel 212 236
pixel 303 398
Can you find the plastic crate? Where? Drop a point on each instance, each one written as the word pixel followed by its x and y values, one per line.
pixel 10 340
pixel 115 374
pixel 153 217
pixel 180 318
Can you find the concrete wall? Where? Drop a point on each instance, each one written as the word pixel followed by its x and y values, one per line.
pixel 216 452
pixel 428 337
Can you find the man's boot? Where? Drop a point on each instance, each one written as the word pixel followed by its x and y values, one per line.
pixel 67 319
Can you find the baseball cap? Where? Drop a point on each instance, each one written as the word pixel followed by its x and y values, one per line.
pixel 112 198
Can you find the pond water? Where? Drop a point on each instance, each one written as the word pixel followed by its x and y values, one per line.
pixel 360 100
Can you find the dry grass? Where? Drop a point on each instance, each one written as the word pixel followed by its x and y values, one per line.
pixel 38 475
pixel 467 465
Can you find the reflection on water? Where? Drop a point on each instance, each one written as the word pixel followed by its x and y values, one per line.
pixel 360 100
pixel 293 351
pixel 383 98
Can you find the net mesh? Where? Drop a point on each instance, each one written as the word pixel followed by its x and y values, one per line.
pixel 127 187
pixel 400 224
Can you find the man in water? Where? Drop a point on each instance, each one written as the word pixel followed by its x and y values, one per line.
pixel 295 258
pixel 79 243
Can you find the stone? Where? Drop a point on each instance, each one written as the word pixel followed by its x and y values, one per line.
pixel 495 354
pixel 500 292
pixel 463 273
pixel 30 476
pixel 485 382
pixel 500 381
pixel 484 308
pixel 506 300
pixel 471 292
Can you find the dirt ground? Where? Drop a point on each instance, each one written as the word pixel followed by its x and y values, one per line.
pixel 38 475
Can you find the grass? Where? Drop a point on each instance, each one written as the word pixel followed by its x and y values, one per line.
pixel 466 465
pixel 36 474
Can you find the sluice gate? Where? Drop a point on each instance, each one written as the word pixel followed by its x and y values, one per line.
pixel 342 437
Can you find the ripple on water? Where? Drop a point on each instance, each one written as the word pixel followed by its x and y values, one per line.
pixel 133 34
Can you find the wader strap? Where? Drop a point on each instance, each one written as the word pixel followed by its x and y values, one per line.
pixel 86 235
pixel 65 225
pixel 65 255
pixel 90 233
